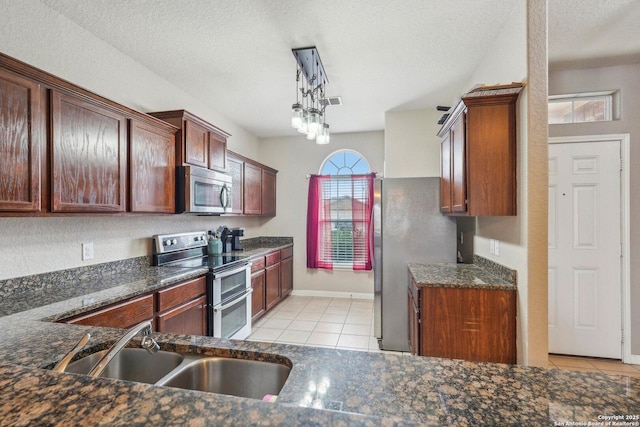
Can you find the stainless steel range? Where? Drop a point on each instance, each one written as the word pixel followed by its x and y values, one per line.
pixel 228 281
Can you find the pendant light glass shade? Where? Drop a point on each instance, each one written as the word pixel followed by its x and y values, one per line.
pixel 313 122
pixel 303 124
pixel 323 135
pixel 296 115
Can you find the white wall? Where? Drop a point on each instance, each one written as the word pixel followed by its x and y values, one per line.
pixel 33 33
pixel 411 144
pixel 295 158
pixel 625 79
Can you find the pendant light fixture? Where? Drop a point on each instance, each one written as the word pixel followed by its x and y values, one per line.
pixel 309 116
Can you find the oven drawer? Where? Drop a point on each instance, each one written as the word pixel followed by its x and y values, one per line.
pixel 272 258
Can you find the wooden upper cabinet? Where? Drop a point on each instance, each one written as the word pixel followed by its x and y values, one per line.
pixel 235 167
pixel 22 124
pixel 89 156
pixel 458 167
pixel 481 154
pixel 268 193
pixel 196 144
pixel 445 174
pixel 252 189
pixel 199 142
pixel 152 167
pixel 217 151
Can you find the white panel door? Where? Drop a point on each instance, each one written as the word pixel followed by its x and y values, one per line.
pixel 585 314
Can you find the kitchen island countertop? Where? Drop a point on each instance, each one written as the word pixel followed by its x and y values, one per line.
pixel 362 388
pixel 449 275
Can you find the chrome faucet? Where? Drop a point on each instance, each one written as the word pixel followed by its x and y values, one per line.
pixel 147 343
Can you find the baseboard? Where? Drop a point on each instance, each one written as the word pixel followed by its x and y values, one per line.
pixel 330 294
pixel 632 359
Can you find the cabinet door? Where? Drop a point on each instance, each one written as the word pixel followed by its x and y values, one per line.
pixel 152 169
pixel 188 319
pixel 196 141
pixel 21 136
pixel 273 285
pixel 252 189
pixel 286 276
pixel 217 152
pixel 268 193
pixel 258 298
pixel 445 174
pixel 89 156
pixel 458 167
pixel 414 324
pixel 122 315
pixel 235 167
pixel 469 324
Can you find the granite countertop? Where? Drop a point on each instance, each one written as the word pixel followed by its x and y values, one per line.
pixel 362 388
pixel 448 275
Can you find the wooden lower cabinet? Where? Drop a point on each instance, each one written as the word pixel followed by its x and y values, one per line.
pixel 258 298
pixel 121 315
pixel 182 308
pixel 464 323
pixel 286 276
pixel 188 319
pixel 272 280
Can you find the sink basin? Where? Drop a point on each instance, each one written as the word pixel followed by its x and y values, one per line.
pixel 131 364
pixel 237 377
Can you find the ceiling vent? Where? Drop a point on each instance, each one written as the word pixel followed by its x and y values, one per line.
pixel 332 100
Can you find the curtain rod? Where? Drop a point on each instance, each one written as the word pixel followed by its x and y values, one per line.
pixel 378 175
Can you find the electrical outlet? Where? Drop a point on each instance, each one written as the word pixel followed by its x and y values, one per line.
pixel 497 248
pixel 492 246
pixel 87 251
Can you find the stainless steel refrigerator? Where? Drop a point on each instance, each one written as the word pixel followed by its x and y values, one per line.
pixel 408 227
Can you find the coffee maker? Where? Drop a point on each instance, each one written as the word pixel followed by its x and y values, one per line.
pixel 236 233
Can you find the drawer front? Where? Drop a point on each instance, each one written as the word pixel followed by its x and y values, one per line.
pixel 181 293
pixel 257 264
pixel 286 252
pixel 122 315
pixel 273 258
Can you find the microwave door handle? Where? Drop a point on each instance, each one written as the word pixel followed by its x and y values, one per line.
pixel 224 196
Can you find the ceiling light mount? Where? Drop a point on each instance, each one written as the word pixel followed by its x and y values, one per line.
pixel 308 115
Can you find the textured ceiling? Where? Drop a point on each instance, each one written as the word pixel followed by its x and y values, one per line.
pixel 379 55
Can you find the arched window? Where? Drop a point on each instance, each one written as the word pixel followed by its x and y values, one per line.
pixel 345 162
pixel 339 213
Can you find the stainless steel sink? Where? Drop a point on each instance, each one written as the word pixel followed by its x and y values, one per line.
pixel 237 377
pixel 131 364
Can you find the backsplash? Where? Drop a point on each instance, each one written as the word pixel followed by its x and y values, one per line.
pixel 499 270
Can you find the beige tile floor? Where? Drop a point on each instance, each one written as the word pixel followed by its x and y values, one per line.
pixel 320 322
pixel 589 364
pixel 348 323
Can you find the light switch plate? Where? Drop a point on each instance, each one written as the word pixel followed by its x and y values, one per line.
pixel 492 246
pixel 496 248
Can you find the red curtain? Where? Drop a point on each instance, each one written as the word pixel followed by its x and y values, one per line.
pixel 320 227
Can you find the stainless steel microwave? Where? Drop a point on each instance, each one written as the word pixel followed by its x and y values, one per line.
pixel 202 191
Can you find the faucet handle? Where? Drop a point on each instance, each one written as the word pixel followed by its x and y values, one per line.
pixel 149 344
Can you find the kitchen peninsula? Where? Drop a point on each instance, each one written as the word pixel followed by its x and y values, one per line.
pixel 362 388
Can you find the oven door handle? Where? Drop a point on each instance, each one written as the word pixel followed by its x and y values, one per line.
pixel 230 272
pixel 234 302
